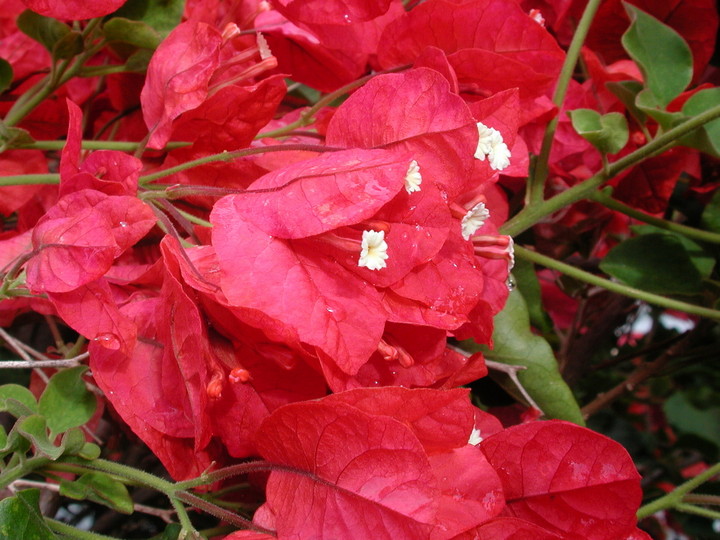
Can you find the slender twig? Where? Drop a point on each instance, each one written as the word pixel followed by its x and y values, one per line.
pixel 509 370
pixel 640 374
pixel 606 200
pixel 536 184
pixel 614 286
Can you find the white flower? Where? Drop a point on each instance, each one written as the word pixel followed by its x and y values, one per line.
pixel 263 47
pixel 374 250
pixel 413 178
pixel 491 144
pixel 474 219
pixel 475 437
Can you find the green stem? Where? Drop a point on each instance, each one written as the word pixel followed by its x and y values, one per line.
pixel 536 183
pixel 676 495
pixel 123 471
pixel 307 117
pixel 28 179
pixel 122 146
pixel 182 515
pixel 71 532
pixel 604 198
pixel 225 472
pixel 614 286
pixel 531 215
pixel 29 465
pixel 193 219
pixel 229 156
pixel 697 510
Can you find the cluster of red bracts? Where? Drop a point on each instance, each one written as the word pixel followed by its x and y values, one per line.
pixel 339 265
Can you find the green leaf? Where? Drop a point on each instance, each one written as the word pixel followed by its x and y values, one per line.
pixel 137 33
pixel 661 53
pixel 648 104
pixel 703 260
pixel 162 15
pixel 515 344
pixel 690 419
pixel 34 429
pixel 706 138
pixel 13 137
pixel 171 532
pixel 66 401
pixel 527 281
pixel 69 45
pixel 711 215
pixel 656 263
pixel 73 441
pixel 100 488
pixel 626 92
pixel 45 30
pixel 139 60
pixel 20 517
pixel 90 451
pixel 607 132
pixel 6 75
pixel 17 394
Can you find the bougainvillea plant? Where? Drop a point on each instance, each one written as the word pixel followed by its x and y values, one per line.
pixel 350 269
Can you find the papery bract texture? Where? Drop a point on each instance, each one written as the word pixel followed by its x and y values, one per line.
pixel 567 479
pixel 73 10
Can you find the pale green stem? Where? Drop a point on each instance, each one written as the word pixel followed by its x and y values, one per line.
pixel 531 215
pixel 28 179
pixel 614 286
pixel 68 531
pixel 606 200
pixel 675 496
pixel 193 219
pixel 536 183
pixel 122 146
pixel 307 117
pixel 229 156
pixel 697 510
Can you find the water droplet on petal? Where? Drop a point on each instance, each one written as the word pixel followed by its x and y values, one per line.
pixel 123 224
pixel 108 340
pixel 510 283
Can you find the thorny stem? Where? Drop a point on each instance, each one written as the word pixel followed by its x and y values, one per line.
pixel 675 497
pixel 614 286
pixel 536 183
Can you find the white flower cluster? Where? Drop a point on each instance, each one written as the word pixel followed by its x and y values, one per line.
pixel 373 252
pixel 491 145
pixel 474 219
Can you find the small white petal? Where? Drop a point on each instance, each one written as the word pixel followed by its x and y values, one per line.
pixel 491 144
pixel 474 219
pixel 413 179
pixel 263 47
pixel 475 437
pixel 374 250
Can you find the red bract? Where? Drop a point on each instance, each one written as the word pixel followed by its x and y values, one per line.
pixel 73 10
pixel 695 20
pixel 414 112
pixel 197 70
pixel 492 44
pixel 354 471
pixel 331 11
pixel 565 478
